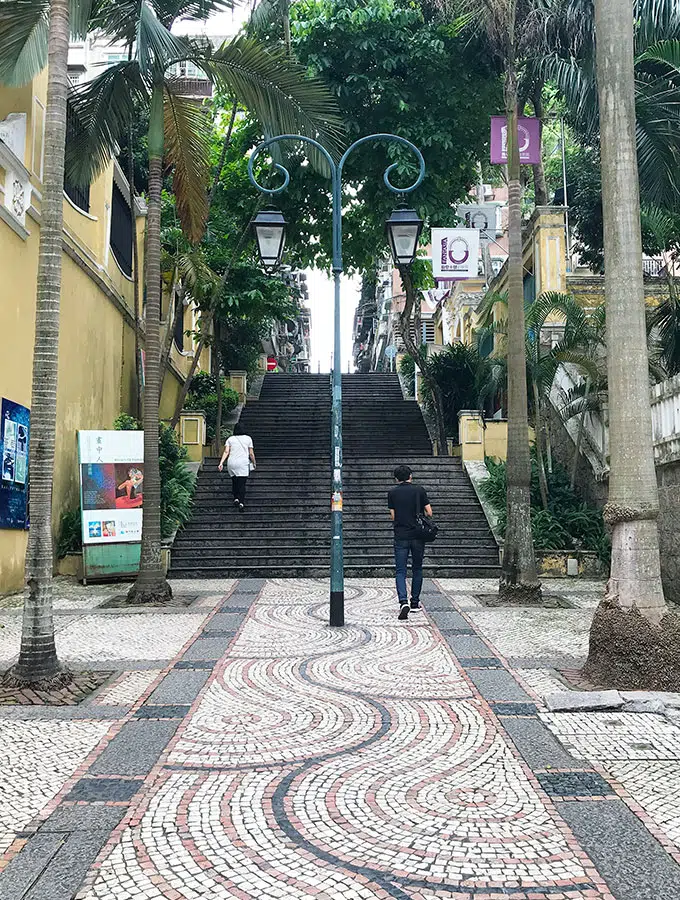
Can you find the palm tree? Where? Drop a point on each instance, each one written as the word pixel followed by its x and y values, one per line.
pixel 510 31
pixel 274 88
pixel 31 35
pixel 634 592
pixel 567 58
pixel 574 349
pixel 269 12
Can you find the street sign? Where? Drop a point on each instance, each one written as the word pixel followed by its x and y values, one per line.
pixel 391 351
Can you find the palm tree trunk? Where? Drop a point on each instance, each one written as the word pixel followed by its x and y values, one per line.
pixel 540 186
pixel 285 17
pixel 38 656
pixel 135 274
pixel 518 580
pixel 540 458
pixel 151 585
pixel 626 645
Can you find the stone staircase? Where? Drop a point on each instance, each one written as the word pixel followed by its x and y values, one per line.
pixel 285 530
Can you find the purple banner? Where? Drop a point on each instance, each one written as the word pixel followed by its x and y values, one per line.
pixel 528 136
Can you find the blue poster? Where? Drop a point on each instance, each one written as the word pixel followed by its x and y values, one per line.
pixel 14 436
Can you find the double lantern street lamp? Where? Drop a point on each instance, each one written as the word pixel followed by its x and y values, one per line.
pixel 403 230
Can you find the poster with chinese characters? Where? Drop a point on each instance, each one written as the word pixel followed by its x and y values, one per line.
pixel 455 253
pixel 528 137
pixel 111 486
pixel 14 437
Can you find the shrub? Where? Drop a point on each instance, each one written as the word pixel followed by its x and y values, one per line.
pixel 70 539
pixel 458 371
pixel 177 483
pixel 126 423
pixel 203 396
pixel 567 524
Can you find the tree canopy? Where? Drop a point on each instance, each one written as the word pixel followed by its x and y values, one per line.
pixel 391 70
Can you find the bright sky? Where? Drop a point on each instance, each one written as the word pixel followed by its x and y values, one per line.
pixel 321 299
pixel 222 23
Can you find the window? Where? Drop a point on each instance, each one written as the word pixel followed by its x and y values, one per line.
pixel 113 58
pixel 121 230
pixel 76 193
pixel 179 327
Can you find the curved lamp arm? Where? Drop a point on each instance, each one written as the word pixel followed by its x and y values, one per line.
pixel 282 169
pixel 386 176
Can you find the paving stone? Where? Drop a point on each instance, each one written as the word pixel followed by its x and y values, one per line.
pixel 467 646
pixel 135 748
pixel 449 619
pixel 668 698
pixel 537 745
pixel 490 662
pixel 83 818
pixel 207 648
pixel 498 684
pixel 194 664
pixel 515 709
pixel 632 862
pixel 66 870
pixel 574 784
pixel 656 707
pixel 224 622
pixel 25 868
pixel 162 712
pixel 118 790
pixel 574 701
pixel 179 687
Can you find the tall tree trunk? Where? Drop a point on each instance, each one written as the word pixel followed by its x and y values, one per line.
pixel 38 656
pixel 540 458
pixel 151 585
pixel 411 313
pixel 518 580
pixel 626 645
pixel 285 17
pixel 135 274
pixel 540 186
pixel 171 328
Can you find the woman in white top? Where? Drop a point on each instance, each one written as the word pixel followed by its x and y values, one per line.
pixel 240 458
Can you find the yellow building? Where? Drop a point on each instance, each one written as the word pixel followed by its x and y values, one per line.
pixel 96 379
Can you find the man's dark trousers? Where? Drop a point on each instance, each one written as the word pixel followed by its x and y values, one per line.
pixel 402 548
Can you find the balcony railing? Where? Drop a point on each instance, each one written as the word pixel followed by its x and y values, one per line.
pixel 192 87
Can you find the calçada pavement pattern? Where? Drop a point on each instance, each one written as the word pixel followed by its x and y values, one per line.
pixel 254 752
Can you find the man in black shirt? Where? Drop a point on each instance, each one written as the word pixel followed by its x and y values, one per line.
pixel 407 501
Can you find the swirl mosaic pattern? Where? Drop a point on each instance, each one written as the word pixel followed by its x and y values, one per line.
pixel 342 764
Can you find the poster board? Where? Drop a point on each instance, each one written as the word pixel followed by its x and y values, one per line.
pixel 455 253
pixel 528 139
pixel 15 422
pixel 111 470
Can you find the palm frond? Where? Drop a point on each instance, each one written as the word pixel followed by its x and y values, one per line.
pixel 276 90
pixel 102 110
pixel 171 11
pixel 264 14
pixel 24 26
pixel 187 147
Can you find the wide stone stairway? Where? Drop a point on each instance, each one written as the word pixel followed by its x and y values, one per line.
pixel 285 529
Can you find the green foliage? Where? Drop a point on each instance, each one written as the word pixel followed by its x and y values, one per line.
pixel 177 483
pixel 392 70
pixel 407 369
pixel 126 423
pixel 203 396
pixel 460 372
pixel 567 524
pixel 70 538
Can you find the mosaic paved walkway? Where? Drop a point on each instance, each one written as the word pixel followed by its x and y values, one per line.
pixel 253 752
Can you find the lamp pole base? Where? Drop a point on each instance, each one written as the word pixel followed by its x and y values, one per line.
pixel 337 609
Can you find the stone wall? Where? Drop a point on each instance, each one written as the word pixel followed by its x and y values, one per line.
pixel 668 479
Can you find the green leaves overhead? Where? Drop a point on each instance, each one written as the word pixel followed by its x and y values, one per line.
pixel 187 144
pixel 276 90
pixel 23 37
